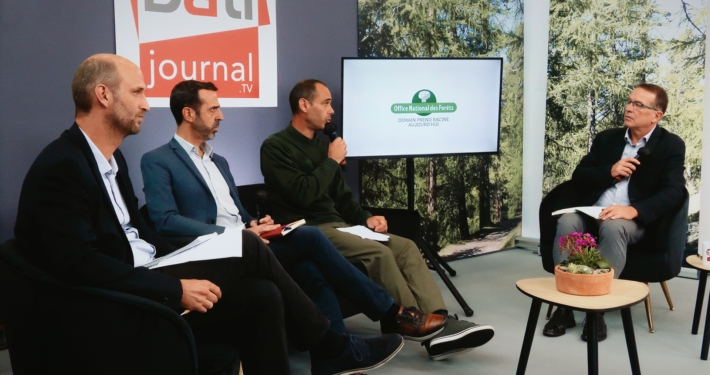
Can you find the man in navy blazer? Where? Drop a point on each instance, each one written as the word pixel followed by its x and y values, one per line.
pixel 635 187
pixel 190 191
pixel 79 221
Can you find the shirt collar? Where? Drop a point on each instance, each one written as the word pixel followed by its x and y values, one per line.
pixel 105 166
pixel 297 135
pixel 189 148
pixel 645 137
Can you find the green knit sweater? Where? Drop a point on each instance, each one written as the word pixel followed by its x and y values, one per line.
pixel 304 183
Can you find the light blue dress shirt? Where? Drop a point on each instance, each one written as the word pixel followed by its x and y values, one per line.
pixel 143 252
pixel 227 212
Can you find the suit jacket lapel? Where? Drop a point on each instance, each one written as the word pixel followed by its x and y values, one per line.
pixel 185 158
pixel 655 138
pixel 225 174
pixel 618 146
pixel 77 137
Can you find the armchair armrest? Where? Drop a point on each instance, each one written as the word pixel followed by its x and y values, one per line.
pixel 670 231
pixel 54 327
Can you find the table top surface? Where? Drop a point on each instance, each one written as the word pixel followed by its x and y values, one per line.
pixel 696 262
pixel 624 293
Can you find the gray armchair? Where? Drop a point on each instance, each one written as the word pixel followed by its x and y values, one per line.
pixel 53 327
pixel 657 258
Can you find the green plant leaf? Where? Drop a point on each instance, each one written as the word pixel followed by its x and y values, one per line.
pixel 602 263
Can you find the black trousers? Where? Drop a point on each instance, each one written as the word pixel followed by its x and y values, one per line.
pixel 260 307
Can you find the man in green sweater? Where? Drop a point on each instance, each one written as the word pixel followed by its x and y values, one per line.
pixel 305 181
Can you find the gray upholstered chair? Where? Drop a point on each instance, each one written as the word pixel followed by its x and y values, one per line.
pixel 657 258
pixel 53 327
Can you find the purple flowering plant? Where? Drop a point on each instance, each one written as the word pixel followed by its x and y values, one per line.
pixel 582 250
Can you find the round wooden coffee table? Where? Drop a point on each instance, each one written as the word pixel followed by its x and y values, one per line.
pixel 624 294
pixel 696 262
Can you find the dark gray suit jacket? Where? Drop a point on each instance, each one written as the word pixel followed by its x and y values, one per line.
pixel 66 224
pixel 179 201
pixel 656 186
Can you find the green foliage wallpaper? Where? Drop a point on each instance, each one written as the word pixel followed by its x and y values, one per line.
pixel 598 52
pixel 461 198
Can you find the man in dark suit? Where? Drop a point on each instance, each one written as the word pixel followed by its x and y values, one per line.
pixel 78 220
pixel 635 190
pixel 190 191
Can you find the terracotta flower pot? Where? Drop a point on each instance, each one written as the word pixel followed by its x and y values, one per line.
pixel 583 285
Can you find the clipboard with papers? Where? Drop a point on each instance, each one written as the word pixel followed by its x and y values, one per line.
pixel 592 211
pixel 365 233
pixel 209 246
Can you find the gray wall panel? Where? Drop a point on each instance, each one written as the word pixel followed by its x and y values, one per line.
pixel 42 43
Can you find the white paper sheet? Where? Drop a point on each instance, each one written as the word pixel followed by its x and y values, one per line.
pixel 211 246
pixel 592 211
pixel 365 233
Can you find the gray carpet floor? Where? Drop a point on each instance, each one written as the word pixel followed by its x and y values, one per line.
pixel 488 284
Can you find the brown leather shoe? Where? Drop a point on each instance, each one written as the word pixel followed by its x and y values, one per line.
pixel 414 325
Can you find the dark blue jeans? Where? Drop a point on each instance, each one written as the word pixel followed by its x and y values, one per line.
pixel 319 268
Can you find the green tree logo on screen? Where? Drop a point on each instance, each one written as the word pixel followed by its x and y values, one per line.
pixel 423 103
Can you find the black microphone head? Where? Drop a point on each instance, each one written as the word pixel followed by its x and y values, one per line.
pixel 262 196
pixel 330 131
pixel 643 151
pixel 262 203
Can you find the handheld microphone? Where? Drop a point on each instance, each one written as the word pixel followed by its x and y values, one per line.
pixel 332 134
pixel 262 201
pixel 642 152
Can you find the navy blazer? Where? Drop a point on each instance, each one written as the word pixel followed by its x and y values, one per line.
pixel 67 226
pixel 178 199
pixel 657 185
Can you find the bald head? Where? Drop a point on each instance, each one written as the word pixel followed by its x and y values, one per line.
pixel 98 69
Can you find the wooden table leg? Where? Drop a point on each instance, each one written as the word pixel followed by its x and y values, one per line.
pixel 529 334
pixel 630 341
pixel 706 335
pixel 702 281
pixel 592 343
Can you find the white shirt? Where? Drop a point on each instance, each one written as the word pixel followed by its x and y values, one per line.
pixel 143 252
pixel 227 212
pixel 619 193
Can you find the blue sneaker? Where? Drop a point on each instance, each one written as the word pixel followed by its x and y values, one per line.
pixel 360 355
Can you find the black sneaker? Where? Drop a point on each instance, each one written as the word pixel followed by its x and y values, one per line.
pixel 414 325
pixel 458 337
pixel 360 355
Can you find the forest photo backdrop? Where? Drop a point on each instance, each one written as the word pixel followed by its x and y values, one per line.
pixel 460 198
pixel 598 51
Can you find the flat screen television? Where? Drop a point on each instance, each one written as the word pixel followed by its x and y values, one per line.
pixel 404 107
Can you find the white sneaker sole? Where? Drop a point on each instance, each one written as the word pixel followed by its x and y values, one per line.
pixel 442 356
pixel 464 333
pixel 379 364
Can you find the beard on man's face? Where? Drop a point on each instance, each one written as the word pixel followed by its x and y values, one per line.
pixel 122 120
pixel 204 130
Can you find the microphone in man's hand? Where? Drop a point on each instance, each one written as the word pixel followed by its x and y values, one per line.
pixel 642 152
pixel 332 133
pixel 262 201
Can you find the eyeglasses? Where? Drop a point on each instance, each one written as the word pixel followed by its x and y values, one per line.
pixel 639 105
